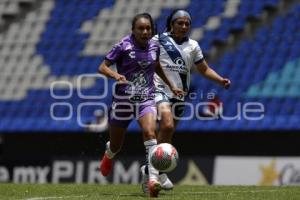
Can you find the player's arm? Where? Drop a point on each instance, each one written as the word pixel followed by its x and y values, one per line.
pixel 211 74
pixel 160 72
pixel 107 71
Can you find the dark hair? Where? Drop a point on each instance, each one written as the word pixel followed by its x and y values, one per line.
pixel 169 19
pixel 147 16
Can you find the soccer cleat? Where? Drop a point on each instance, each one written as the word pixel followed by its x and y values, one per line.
pixel 165 182
pixel 145 179
pixel 154 187
pixel 105 165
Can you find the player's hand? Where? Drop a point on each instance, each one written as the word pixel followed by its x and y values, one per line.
pixel 226 83
pixel 120 78
pixel 178 92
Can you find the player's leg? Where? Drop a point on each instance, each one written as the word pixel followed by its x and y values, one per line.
pixel 160 98
pixel 113 146
pixel 118 123
pixel 147 121
pixel 164 135
pixel 169 113
pixel 164 117
pixel 166 123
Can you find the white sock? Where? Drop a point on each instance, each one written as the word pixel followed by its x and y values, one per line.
pixel 152 172
pixel 108 151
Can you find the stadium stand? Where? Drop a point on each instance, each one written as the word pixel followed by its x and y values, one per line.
pixel 60 40
pixel 11 9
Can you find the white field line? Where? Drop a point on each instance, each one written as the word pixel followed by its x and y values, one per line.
pixel 56 197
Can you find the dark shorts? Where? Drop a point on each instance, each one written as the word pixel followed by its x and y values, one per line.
pixel 122 113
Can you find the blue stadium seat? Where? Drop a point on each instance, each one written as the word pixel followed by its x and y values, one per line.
pixel 265 68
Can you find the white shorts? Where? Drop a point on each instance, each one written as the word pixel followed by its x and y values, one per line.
pixel 177 106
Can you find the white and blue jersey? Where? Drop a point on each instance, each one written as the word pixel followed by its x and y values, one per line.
pixel 176 61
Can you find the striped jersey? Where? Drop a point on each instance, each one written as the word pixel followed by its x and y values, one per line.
pixel 176 61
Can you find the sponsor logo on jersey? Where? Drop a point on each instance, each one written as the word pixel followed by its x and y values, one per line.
pixel 132 54
pixel 179 61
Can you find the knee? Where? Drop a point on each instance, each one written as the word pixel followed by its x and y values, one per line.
pixel 167 127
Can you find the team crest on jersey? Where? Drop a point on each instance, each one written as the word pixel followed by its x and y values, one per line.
pixel 128 46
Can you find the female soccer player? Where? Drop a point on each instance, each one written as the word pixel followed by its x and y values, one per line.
pixel 178 54
pixel 136 58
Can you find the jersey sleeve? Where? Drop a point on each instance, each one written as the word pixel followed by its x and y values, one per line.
pixel 115 53
pixel 198 55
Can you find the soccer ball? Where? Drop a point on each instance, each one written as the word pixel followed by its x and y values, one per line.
pixel 164 157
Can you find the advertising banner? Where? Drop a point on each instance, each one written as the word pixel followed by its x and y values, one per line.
pixel 256 171
pixel 190 171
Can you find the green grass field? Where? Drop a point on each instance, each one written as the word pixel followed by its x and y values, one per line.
pixel 132 192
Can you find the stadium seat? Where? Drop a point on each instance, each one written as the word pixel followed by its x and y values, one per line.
pixel 61 40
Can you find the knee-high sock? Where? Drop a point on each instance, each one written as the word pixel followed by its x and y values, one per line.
pixel 152 172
